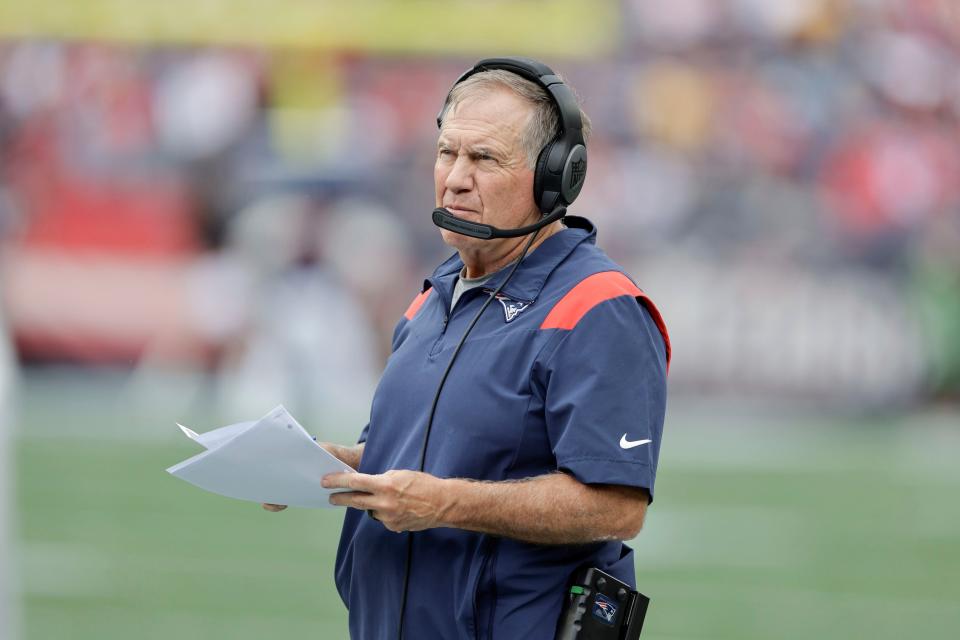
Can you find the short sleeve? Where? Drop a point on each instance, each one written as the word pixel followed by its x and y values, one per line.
pixel 605 395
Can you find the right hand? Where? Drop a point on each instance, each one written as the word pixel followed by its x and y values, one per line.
pixel 348 455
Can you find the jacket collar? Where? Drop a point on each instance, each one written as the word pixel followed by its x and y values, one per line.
pixel 532 274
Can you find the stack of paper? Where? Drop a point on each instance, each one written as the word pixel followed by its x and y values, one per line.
pixel 270 460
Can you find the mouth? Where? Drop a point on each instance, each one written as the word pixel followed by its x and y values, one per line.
pixel 461 213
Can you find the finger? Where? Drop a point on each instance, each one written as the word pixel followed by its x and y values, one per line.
pixel 355 499
pixel 273 507
pixel 328 446
pixel 356 481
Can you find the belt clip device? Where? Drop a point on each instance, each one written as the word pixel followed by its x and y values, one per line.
pixel 600 607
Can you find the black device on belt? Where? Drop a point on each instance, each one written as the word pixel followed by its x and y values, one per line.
pixel 600 607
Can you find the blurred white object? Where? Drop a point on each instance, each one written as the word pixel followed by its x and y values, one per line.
pixel 674 24
pixel 780 18
pixel 308 342
pixel 9 614
pixel 31 79
pixel 312 346
pixel 204 105
pixel 772 332
pixel 271 460
pixel 361 241
pixel 908 68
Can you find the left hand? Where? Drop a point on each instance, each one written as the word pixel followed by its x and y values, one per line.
pixel 402 500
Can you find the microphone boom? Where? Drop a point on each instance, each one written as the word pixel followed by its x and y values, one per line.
pixel 446 220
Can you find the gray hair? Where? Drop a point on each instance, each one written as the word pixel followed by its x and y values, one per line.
pixel 544 123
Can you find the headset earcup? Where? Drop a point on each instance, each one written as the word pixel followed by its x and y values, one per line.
pixel 541 177
pixel 574 173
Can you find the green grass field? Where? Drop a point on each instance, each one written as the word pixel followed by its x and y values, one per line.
pixel 761 529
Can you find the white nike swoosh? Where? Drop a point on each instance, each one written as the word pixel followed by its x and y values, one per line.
pixel 627 444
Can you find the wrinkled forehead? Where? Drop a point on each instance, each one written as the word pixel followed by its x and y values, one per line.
pixel 489 111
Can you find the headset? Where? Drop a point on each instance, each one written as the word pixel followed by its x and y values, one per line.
pixel 561 165
pixel 559 175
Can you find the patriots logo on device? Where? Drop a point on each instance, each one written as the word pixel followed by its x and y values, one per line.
pixel 604 609
pixel 511 308
pixel 579 170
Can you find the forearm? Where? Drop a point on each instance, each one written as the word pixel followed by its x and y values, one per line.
pixel 549 509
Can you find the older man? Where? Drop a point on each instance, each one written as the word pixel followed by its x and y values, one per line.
pixel 485 481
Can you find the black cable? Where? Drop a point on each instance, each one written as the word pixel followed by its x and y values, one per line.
pixel 433 411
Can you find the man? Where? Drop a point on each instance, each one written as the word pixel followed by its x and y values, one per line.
pixel 546 434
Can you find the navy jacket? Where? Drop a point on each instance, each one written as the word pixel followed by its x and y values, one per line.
pixel 565 371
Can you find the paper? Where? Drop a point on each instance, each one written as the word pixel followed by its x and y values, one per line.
pixel 272 460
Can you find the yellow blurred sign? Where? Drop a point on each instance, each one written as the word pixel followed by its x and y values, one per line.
pixel 556 28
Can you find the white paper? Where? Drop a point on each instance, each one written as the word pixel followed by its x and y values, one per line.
pixel 272 460
pixel 213 439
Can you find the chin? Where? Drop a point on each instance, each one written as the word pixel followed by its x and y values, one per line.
pixel 459 241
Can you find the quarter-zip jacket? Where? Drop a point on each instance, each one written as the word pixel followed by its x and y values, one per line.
pixel 563 370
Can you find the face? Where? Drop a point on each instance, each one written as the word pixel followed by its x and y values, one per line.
pixel 481 172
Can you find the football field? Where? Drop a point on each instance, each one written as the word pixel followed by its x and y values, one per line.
pixel 762 528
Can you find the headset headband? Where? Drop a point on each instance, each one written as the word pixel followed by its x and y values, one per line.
pixel 539 74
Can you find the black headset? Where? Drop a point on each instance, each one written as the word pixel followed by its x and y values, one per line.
pixel 562 164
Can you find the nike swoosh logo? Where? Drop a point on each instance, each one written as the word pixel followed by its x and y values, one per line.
pixel 627 444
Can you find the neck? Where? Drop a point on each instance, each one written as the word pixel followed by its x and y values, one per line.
pixel 496 254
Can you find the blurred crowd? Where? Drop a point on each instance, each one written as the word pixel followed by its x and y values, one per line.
pixel 782 177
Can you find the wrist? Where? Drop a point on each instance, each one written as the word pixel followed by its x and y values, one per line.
pixel 454 497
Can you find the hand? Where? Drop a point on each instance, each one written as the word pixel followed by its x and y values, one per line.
pixel 350 456
pixel 402 500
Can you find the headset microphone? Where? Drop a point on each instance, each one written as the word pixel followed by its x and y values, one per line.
pixel 446 220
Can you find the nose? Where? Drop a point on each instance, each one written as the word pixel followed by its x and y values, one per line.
pixel 460 177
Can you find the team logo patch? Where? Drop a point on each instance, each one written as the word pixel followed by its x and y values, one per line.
pixel 579 170
pixel 604 609
pixel 511 308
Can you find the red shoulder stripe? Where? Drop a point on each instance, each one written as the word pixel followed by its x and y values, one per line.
pixel 588 293
pixel 416 304
pixel 595 289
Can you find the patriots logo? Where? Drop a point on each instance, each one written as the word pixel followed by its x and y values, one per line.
pixel 604 609
pixel 511 308
pixel 577 173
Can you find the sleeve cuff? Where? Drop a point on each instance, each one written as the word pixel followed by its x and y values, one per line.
pixel 596 470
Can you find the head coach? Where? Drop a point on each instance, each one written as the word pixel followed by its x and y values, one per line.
pixel 515 433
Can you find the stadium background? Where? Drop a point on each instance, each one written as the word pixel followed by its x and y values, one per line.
pixel 210 207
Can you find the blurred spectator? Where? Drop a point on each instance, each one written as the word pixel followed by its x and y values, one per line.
pixel 814 137
pixel 306 340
